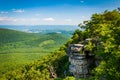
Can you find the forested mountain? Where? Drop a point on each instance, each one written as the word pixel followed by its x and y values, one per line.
pixel 105 27
pixel 13 41
pixel 18 48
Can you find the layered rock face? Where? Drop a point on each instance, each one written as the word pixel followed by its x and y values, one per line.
pixel 79 63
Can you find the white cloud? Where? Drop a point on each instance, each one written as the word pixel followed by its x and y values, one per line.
pixel 17 20
pixel 34 19
pixel 3 12
pixel 18 10
pixel 82 1
pixel 13 20
pixel 38 14
pixel 4 19
pixel 8 19
pixel 68 20
pixel 49 19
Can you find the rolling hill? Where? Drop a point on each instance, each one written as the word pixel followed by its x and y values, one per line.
pixel 18 48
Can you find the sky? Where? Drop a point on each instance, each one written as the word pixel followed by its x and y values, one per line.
pixel 52 12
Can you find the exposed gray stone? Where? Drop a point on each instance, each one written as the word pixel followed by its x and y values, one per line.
pixel 78 61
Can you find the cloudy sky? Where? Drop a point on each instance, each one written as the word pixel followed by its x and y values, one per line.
pixel 51 12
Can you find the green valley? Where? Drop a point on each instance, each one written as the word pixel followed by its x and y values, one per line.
pixel 19 48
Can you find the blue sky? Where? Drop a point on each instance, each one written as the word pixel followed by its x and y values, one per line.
pixel 51 12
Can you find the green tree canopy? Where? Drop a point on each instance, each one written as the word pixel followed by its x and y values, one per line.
pixel 106 28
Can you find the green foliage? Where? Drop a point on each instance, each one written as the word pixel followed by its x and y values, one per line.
pixel 69 78
pixel 19 48
pixel 39 70
pixel 15 41
pixel 106 27
pixel 89 46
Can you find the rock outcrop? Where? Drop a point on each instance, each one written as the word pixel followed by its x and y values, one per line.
pixel 80 60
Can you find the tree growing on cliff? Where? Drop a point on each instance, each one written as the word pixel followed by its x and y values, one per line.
pixel 106 28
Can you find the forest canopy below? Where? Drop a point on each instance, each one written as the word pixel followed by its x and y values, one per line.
pixel 18 48
pixel 104 27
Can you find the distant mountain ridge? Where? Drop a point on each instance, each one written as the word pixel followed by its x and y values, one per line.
pixel 42 28
pixel 16 39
